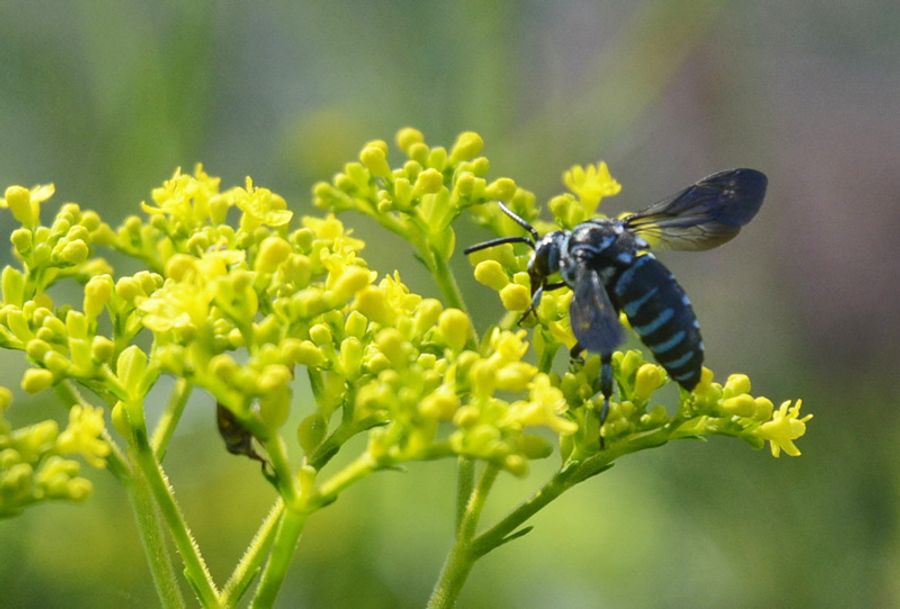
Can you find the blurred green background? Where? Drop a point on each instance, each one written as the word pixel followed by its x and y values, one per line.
pixel 106 98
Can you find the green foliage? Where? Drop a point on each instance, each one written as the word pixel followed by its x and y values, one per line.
pixel 239 309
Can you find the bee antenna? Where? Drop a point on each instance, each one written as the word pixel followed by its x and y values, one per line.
pixel 498 241
pixel 519 220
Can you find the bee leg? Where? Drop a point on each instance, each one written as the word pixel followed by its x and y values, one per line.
pixel 575 354
pixel 606 383
pixel 536 298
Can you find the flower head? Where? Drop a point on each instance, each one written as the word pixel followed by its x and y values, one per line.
pixel 785 426
pixel 591 183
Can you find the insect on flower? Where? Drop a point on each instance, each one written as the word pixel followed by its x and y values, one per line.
pixel 606 262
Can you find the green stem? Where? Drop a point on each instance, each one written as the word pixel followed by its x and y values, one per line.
pixel 362 466
pixel 287 482
pixel 152 534
pixel 332 444
pixel 447 282
pixel 462 558
pixel 194 566
pixel 171 415
pixel 465 482
pixel 291 523
pixel 283 547
pixel 547 493
pixel 251 562
pixel 545 363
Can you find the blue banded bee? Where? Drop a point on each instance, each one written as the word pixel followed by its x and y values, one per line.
pixel 608 265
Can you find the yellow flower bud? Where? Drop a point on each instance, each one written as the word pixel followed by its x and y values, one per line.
pixel 437 158
pixel 18 199
pixel 371 302
pixel 350 281
pixel 274 377
pixel 272 252
pixel 36 380
pixel 392 344
pixel 5 398
pixel 515 376
pixel 350 357
pixel 455 327
pixel 320 334
pixel 407 137
pixel 648 379
pixel 502 189
pixel 484 377
pixel 515 297
pixel 128 288
pixel 96 294
pixel 763 408
pixel 356 324
pixel 22 240
pixel 467 416
pixel 308 303
pixel 467 146
pixel 428 182
pixel 302 352
pixel 311 432
pixel 736 385
pixel 56 362
pixel 741 405
pixel 131 367
pixel 74 252
pixel 427 314
pixel 13 284
pixel 491 274
pixel 374 157
pixel 441 404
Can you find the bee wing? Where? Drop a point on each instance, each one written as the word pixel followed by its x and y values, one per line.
pixel 594 320
pixel 704 215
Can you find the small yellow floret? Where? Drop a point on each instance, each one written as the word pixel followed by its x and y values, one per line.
pixel 515 297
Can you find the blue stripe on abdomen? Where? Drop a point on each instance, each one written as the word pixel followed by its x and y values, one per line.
pixel 661 314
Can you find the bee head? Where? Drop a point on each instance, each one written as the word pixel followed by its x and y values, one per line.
pixel 546 258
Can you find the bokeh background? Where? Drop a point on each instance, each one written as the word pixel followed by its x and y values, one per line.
pixel 106 98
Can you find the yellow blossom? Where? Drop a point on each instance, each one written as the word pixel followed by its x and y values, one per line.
pixel 261 206
pixel 545 405
pixel 191 199
pixel 591 183
pixel 176 306
pixel 785 427
pixel 83 435
pixel 25 203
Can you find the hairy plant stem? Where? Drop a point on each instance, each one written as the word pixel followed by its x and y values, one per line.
pixel 153 538
pixel 465 482
pixel 287 534
pixel 251 561
pixel 447 282
pixel 195 568
pixel 461 558
pixel 170 417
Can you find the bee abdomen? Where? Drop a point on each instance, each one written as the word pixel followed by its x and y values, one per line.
pixel 661 314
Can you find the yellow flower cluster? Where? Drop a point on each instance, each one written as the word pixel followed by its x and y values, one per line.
pixel 239 296
pixel 32 466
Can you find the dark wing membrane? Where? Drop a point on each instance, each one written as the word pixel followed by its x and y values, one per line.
pixel 703 215
pixel 595 321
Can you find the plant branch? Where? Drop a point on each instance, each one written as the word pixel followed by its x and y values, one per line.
pixel 171 415
pixel 251 562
